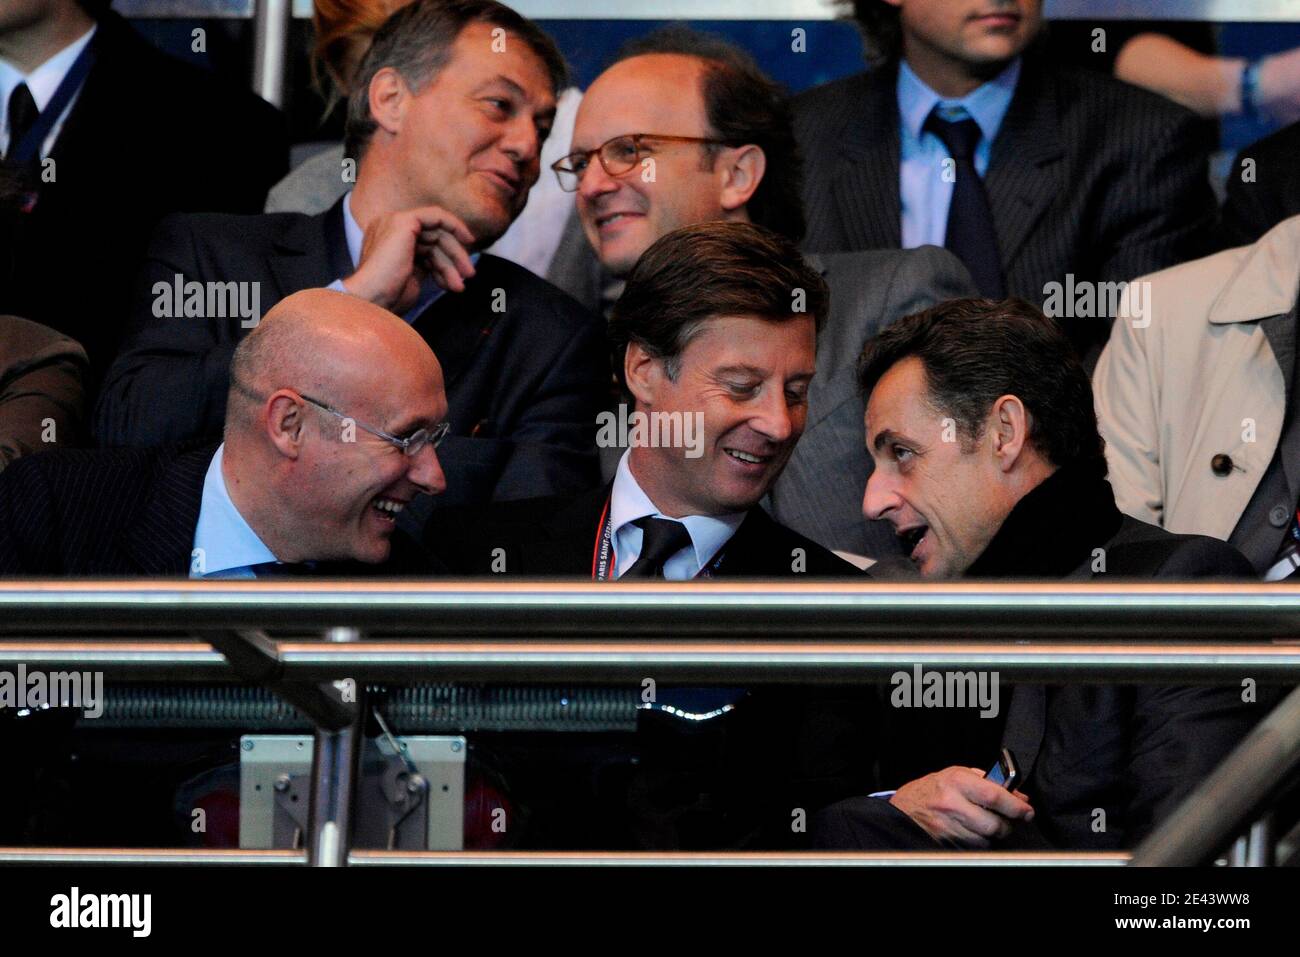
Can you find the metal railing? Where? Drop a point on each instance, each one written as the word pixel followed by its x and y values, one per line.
pixel 533 632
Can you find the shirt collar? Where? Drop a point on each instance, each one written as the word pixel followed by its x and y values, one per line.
pixel 629 502
pixel 223 540
pixel 430 292
pixel 987 104
pixel 45 79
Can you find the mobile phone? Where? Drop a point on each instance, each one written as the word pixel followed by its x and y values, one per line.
pixel 1005 772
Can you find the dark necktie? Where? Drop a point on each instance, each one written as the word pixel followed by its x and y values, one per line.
pixel 22 114
pixel 282 569
pixel 970 231
pixel 662 540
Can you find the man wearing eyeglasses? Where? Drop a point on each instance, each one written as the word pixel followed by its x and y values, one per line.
pixel 444 133
pixel 683 129
pixel 335 410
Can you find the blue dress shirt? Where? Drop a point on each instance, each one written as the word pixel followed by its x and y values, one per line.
pixel 224 544
pixel 628 503
pixel 923 191
pixel 430 291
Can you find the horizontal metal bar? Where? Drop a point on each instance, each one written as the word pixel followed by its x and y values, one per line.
pixel 123 855
pixel 751 661
pixel 441 608
pixel 725 859
pixel 1213 10
pixel 740 660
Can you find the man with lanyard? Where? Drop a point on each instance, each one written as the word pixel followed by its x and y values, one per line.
pixel 717 364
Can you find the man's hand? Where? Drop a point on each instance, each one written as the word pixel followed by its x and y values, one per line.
pixel 401 249
pixel 958 804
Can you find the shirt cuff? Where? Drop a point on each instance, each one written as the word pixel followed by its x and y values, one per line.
pixel 882 794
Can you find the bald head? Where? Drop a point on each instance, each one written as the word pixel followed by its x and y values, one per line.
pixel 328 397
pixel 333 346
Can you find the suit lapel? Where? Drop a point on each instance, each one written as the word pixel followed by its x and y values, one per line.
pixel 457 324
pixel 162 541
pixel 1023 176
pixel 746 551
pixel 865 183
pixel 312 253
pixel 1026 725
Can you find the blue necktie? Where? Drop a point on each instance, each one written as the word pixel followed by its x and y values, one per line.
pixel 970 234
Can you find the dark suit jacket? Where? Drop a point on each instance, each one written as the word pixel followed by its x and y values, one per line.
pixel 1131 751
pixel 1087 175
pixel 524 384
pixel 83 513
pixel 42 379
pixel 1273 193
pixel 820 492
pixel 148 135
pixel 556 536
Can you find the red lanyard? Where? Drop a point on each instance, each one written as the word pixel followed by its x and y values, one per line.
pixel 604 561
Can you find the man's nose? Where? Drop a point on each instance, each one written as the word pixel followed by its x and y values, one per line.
pixel 776 420
pixel 880 498
pixel 426 472
pixel 594 181
pixel 522 142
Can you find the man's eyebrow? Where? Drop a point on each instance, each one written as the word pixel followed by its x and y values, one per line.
pixel 411 425
pixel 516 89
pixel 741 369
pixel 884 437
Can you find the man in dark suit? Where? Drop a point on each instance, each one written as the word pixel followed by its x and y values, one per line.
pixel 989 465
pixel 718 365
pixel 1262 188
pixel 965 134
pixel 745 167
pixel 133 136
pixel 336 407
pixel 447 129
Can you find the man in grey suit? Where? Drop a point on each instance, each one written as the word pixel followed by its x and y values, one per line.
pixel 684 128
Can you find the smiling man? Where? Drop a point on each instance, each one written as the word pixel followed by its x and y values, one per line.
pixel 336 408
pixel 705 329
pixel 444 131
pixel 989 465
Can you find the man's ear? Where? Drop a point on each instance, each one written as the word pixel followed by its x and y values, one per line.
pixel 644 374
pixel 389 98
pixel 742 171
pixel 285 421
pixel 1008 426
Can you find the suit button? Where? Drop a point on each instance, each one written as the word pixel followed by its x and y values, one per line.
pixel 1279 515
pixel 1221 464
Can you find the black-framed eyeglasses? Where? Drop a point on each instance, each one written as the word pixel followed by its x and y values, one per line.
pixel 411 445
pixel 618 156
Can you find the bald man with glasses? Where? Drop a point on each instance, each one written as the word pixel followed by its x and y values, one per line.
pixel 335 411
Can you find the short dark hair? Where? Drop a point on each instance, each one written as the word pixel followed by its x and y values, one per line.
pixel 976 350
pixel 416 41
pixel 743 106
pixel 707 270
pixel 881 26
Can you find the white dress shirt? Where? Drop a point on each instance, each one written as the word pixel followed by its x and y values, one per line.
pixel 628 502
pixel 42 84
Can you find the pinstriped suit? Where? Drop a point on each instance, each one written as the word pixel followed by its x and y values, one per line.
pixel 1088 176
pixel 125 512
